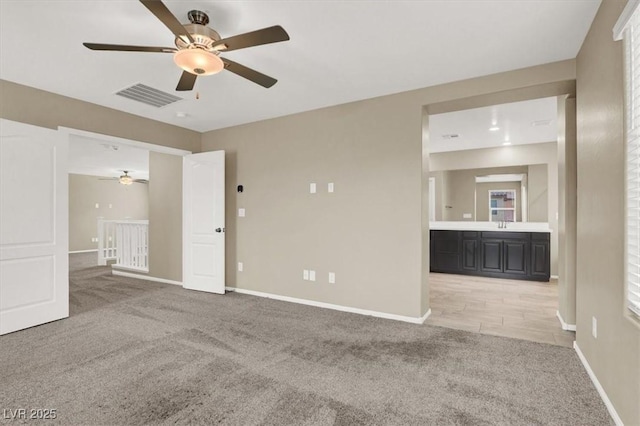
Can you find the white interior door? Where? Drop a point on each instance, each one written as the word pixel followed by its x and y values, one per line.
pixel 34 237
pixel 203 222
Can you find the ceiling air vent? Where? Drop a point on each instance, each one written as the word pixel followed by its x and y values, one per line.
pixel 540 123
pixel 450 136
pixel 148 95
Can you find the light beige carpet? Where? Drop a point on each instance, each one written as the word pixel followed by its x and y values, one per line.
pixel 136 352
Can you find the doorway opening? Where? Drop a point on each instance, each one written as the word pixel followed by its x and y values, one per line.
pixel 110 204
pixel 497 177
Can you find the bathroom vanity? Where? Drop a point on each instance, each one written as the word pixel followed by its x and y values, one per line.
pixel 519 251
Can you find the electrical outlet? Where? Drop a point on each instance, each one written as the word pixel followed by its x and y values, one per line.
pixel 332 278
pixel 241 212
pixel 594 327
pixel 330 187
pixel 466 216
pixel 240 267
pixel 305 275
pixel 312 188
pixel 97 205
pixel 312 275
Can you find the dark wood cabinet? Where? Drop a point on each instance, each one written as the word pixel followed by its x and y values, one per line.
pixel 491 256
pixel 515 255
pixel 470 255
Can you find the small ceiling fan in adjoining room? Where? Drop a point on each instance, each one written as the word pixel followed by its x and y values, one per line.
pixel 198 47
pixel 126 179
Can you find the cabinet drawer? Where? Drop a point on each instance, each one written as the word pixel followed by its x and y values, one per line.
pixel 497 235
pixel 540 236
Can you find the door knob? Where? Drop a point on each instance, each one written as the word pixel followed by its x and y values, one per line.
pixel 219 229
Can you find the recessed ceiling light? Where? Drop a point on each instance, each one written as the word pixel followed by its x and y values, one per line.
pixel 506 143
pixel 181 114
pixel 541 123
pixel 450 136
pixel 494 129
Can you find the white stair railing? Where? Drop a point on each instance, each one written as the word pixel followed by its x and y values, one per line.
pixel 126 241
pixel 106 241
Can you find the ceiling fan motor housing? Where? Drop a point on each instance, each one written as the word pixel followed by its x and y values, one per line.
pixel 202 35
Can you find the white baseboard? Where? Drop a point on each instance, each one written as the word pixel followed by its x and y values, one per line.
pixel 413 320
pixel 565 326
pixel 144 277
pixel 115 266
pixel 607 402
pixel 84 251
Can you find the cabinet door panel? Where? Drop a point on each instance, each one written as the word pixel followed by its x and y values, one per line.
pixel 470 255
pixel 540 259
pixel 515 257
pixel 491 256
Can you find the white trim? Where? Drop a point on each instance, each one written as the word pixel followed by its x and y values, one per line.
pixel 607 402
pixel 115 266
pixel 84 251
pixel 122 141
pixel 145 277
pixel 623 20
pixel 413 320
pixel 565 326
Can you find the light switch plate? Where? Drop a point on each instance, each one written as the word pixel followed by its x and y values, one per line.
pixel 312 188
pixel 330 187
pixel 332 278
pixel 240 267
pixel 312 275
pixel 305 275
pixel 594 327
pixel 97 206
pixel 241 212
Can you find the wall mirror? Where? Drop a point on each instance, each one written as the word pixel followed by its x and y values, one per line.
pixel 513 194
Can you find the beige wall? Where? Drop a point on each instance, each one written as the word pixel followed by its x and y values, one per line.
pixel 615 355
pixel 46 109
pixel 165 216
pixel 538 192
pixel 542 154
pixel 115 201
pixel 567 177
pixel 368 231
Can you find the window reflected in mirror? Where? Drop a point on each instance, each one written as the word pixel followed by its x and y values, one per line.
pixel 502 205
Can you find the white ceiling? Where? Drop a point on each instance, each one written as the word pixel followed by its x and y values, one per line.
pixel 340 51
pixel 95 157
pixel 518 123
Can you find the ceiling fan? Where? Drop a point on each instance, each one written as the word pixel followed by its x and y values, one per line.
pixel 126 179
pixel 198 47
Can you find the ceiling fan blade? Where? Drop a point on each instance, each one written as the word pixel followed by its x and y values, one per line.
pixel 168 19
pixel 145 181
pixel 187 81
pixel 126 48
pixel 254 38
pixel 252 75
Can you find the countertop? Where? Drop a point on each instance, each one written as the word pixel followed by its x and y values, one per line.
pixel 490 226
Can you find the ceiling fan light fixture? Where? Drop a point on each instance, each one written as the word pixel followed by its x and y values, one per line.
pixel 126 179
pixel 198 61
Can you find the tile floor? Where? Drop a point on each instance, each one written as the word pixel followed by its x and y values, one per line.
pixel 511 308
